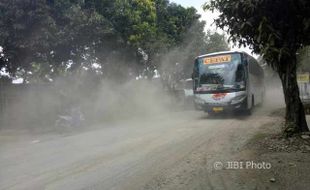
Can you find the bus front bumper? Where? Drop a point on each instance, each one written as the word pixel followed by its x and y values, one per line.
pixel 224 107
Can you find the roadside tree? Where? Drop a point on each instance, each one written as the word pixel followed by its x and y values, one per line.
pixel 277 30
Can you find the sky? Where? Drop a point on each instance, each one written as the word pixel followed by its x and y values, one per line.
pixel 208 17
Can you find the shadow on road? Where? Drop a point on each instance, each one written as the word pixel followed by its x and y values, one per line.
pixel 231 115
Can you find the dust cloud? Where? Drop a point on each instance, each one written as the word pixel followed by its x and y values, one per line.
pixel 83 103
pixel 274 98
pixel 92 99
pixel 87 100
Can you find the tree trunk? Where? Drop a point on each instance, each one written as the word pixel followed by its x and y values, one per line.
pixel 295 121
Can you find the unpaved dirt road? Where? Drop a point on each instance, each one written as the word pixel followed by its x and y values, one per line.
pixel 172 151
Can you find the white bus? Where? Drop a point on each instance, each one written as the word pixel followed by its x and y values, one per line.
pixel 227 81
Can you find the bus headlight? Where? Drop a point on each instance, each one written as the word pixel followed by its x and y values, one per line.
pixel 238 99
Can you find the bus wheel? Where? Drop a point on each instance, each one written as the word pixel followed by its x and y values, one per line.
pixel 249 111
pixel 210 113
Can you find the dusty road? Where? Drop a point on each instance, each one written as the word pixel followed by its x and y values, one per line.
pixel 175 151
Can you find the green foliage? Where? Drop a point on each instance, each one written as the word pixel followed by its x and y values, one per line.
pixel 135 20
pixel 275 30
pixel 36 34
pixel 196 42
pixel 43 39
pixel 25 28
pixel 216 42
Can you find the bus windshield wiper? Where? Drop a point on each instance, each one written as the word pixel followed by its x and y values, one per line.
pixel 222 88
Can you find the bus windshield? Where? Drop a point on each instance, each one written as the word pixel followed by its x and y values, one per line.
pixel 219 72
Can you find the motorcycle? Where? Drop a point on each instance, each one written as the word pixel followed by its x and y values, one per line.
pixel 73 119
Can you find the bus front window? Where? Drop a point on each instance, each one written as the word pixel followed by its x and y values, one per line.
pixel 240 76
pixel 220 72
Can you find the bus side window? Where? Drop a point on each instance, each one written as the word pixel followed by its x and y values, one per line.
pixel 250 67
pixel 240 73
pixel 195 75
pixel 254 67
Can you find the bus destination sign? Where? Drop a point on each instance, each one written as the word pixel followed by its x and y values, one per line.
pixel 217 59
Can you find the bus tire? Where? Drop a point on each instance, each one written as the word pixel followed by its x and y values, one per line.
pixel 262 99
pixel 211 114
pixel 249 111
